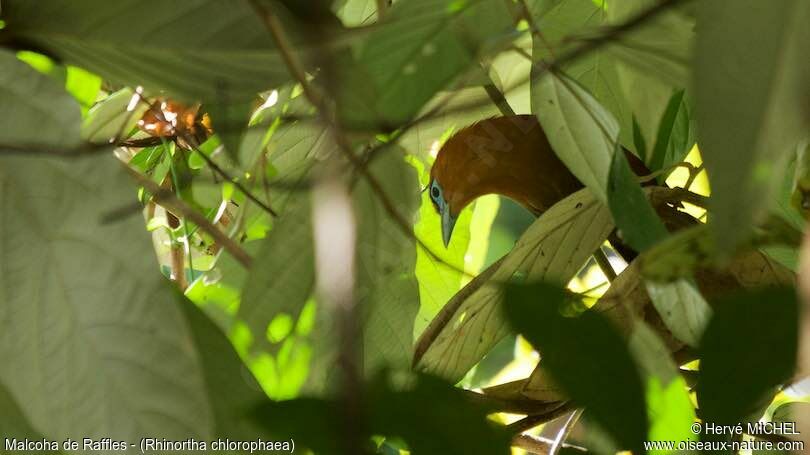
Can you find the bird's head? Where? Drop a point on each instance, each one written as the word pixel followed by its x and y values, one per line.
pixel 451 186
pixel 443 208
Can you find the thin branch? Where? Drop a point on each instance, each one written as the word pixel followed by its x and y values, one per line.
pixel 693 173
pixel 604 264
pixel 565 431
pixel 39 149
pixel 169 200
pixel 539 445
pixel 215 167
pixel 514 406
pixel 535 30
pixel 498 98
pixel 360 166
pixel 529 422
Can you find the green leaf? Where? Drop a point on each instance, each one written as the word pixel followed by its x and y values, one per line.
pixel 91 339
pixel 669 407
pixel 638 223
pixel 390 412
pixel 35 110
pixel 464 425
pixel 209 50
pixel 386 289
pixel 282 277
pixel 83 85
pixel 682 308
pixel 13 422
pixel 674 137
pixel 597 71
pixel 110 119
pixel 421 48
pixel 586 356
pixel 553 248
pixel 437 281
pixel 749 348
pixel 751 90
pixel 582 133
pixel 233 392
pixel 652 60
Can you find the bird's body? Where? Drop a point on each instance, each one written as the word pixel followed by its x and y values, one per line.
pixel 510 156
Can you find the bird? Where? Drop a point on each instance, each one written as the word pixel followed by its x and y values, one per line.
pixel 507 155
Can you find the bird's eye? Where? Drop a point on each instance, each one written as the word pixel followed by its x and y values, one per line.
pixel 434 192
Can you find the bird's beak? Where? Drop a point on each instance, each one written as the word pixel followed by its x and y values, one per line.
pixel 448 223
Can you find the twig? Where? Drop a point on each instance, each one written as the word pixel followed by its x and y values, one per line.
pixel 38 149
pixel 514 406
pixel 564 432
pixel 169 200
pixel 215 167
pixel 529 422
pixel 535 30
pixel 360 166
pixel 693 173
pixel 498 98
pixel 604 264
pixel 540 446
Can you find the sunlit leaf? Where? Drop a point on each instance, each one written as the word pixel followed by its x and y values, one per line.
pixel 682 308
pixel 652 60
pixel 282 277
pixel 669 407
pixel 751 89
pixel 559 21
pixel 386 290
pixel 582 133
pixel 110 119
pixel 553 248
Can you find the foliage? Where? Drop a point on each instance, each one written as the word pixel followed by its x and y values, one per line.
pixel 211 223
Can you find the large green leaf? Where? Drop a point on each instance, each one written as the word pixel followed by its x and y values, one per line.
pixel 232 390
pixel 675 136
pixel 199 49
pixel 582 133
pixel 652 60
pixel 34 109
pixel 638 223
pixel 553 248
pixel 749 348
pixel 420 48
pixel 386 290
pixel 92 342
pixel 586 356
pixel 752 94
pixel 282 277
pixel 682 308
pixel 13 423
pixel 560 21
pixel 669 407
pixel 322 425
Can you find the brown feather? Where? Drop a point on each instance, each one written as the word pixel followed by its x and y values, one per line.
pixel 510 156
